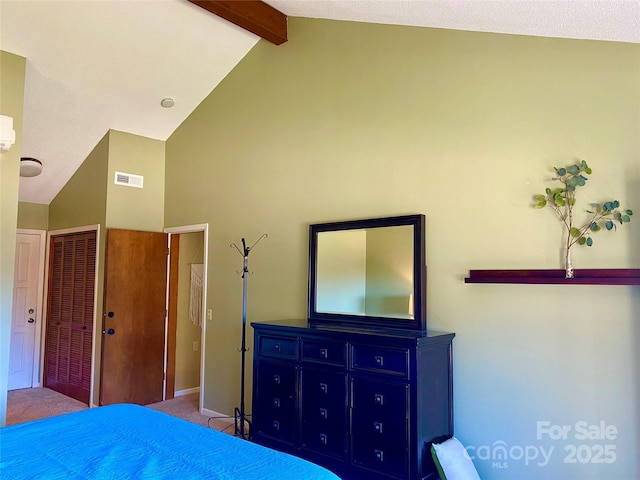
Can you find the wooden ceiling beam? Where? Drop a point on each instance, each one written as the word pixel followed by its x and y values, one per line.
pixel 252 15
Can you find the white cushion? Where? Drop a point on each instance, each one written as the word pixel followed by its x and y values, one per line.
pixel 453 461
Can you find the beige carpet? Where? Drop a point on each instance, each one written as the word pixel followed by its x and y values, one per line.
pixel 34 403
pixel 186 407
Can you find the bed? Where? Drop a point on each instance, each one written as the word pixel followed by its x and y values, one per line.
pixel 133 442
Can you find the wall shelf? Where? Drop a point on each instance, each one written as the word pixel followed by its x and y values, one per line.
pixel 615 276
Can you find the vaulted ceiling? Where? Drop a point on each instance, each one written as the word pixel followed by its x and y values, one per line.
pixel 97 65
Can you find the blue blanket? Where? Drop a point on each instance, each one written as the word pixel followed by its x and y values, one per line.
pixel 133 442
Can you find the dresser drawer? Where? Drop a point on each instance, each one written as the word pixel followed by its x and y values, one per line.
pixel 273 378
pixel 324 395
pixel 382 431
pixel 380 399
pixel 327 440
pixel 394 361
pixel 390 458
pixel 327 352
pixel 277 347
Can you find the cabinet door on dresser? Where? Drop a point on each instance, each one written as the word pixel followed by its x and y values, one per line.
pixel 379 423
pixel 275 389
pixel 323 411
pixel 274 412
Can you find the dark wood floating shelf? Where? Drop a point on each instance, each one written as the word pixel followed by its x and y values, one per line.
pixel 615 276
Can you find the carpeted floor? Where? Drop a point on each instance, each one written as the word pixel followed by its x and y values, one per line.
pixel 186 407
pixel 33 403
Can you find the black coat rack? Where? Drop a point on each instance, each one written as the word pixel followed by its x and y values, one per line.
pixel 240 418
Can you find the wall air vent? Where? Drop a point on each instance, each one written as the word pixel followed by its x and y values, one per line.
pixel 129 179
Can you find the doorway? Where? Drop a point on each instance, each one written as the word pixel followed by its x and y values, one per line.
pixel 146 356
pixel 187 300
pixel 26 315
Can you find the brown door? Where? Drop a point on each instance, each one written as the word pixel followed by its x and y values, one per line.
pixel 69 338
pixel 132 369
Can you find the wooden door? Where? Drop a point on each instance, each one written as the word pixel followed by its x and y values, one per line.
pixel 24 314
pixel 133 333
pixel 69 338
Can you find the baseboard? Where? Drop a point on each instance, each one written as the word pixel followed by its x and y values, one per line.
pixel 186 391
pixel 217 415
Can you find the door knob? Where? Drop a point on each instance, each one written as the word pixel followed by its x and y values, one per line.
pixel 31 320
pixel 111 331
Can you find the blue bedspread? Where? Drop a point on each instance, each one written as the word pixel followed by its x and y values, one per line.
pixel 133 442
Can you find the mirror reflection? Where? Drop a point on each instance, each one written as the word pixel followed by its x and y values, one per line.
pixel 366 272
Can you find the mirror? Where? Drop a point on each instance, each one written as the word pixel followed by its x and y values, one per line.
pixel 368 273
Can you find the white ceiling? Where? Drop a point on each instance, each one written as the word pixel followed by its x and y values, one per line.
pixel 93 65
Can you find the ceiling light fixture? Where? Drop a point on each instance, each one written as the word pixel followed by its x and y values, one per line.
pixel 30 167
pixel 167 102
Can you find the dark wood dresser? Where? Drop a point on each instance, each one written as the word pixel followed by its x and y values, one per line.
pixel 366 404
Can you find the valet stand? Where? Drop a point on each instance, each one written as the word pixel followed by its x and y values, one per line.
pixel 239 416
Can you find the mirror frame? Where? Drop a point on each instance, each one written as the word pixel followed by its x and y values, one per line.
pixel 419 322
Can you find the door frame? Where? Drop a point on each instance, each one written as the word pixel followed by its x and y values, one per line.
pixel 40 315
pixel 96 331
pixel 204 228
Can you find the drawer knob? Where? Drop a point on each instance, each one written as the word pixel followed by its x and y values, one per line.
pixel 323 413
pixel 323 353
pixel 377 427
pixel 379 359
pixel 276 379
pixel 277 347
pixel 378 399
pixel 323 439
pixel 379 454
pixel 276 402
pixel 324 388
pixel 276 425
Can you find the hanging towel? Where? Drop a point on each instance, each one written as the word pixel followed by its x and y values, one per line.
pixel 195 296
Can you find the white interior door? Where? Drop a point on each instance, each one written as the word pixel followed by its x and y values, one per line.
pixel 25 316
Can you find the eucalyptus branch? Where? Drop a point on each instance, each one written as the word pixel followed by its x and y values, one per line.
pixel 562 200
pixel 561 216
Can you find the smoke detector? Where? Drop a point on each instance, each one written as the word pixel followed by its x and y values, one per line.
pixel 30 167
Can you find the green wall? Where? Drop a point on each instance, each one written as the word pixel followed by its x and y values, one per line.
pixel 83 199
pixel 12 72
pixel 33 216
pixel 349 121
pixel 129 207
pixel 91 197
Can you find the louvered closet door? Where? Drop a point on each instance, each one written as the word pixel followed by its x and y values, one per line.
pixel 72 264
